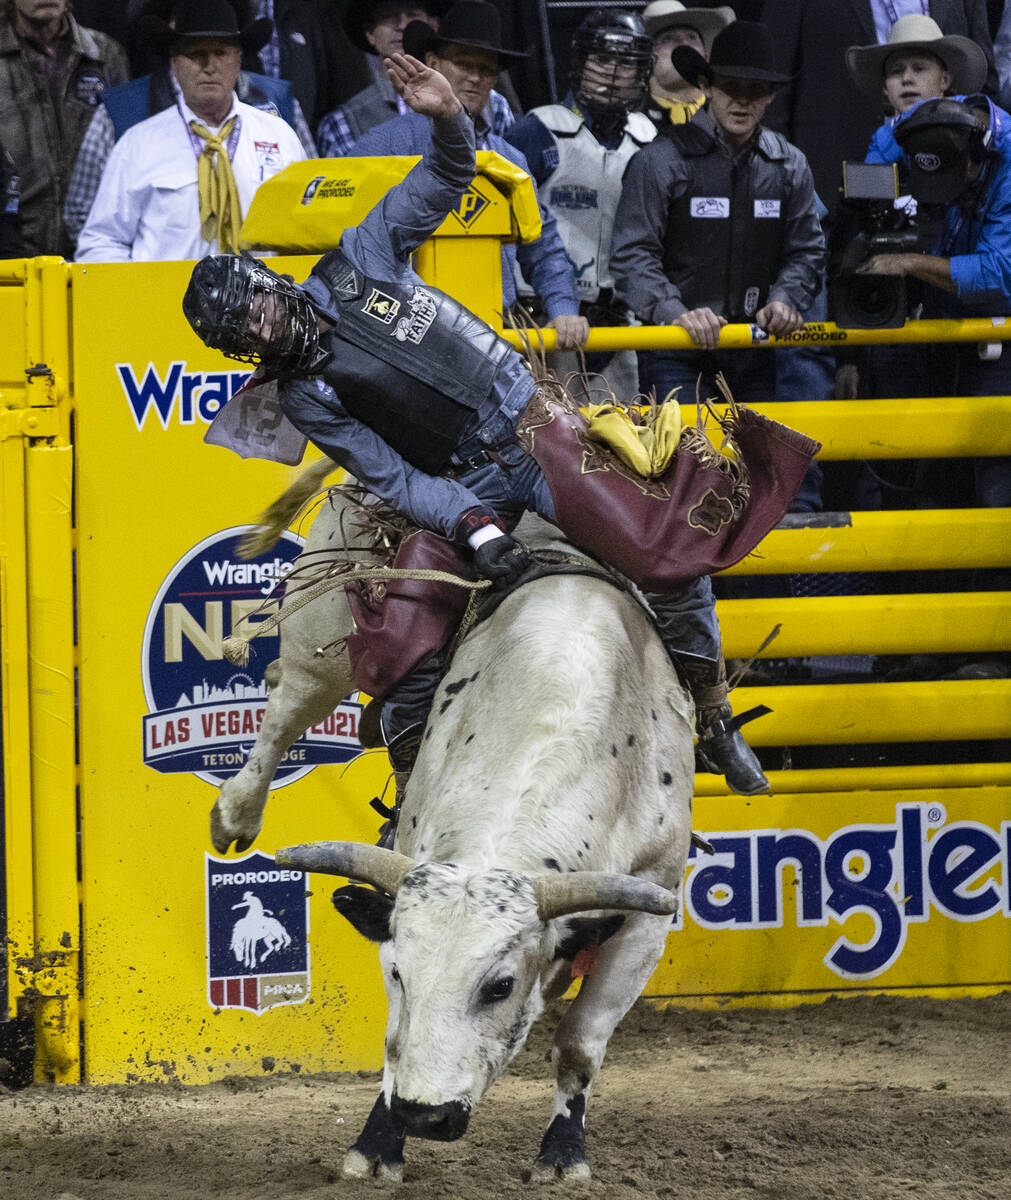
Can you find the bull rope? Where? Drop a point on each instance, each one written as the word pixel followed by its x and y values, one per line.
pixel 237 649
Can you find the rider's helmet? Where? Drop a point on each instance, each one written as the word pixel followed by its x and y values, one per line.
pixel 612 57
pixel 249 312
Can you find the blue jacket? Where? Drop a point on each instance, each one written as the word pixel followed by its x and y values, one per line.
pixel 543 261
pixel 381 246
pixel 976 237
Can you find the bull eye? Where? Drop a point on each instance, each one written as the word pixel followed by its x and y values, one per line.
pixel 501 989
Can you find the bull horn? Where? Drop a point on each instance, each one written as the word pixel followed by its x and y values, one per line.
pixel 579 891
pixel 384 869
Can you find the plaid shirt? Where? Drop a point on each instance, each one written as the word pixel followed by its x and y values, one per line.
pixel 100 137
pixel 335 138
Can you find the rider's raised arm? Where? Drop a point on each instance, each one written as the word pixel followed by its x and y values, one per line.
pixel 410 212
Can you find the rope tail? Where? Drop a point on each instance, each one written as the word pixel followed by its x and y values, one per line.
pixel 274 520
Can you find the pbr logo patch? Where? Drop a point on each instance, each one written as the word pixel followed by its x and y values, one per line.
pixel 711 513
pixel 257 933
pixel 203 713
pixel 472 205
pixel 384 308
pixel 927 162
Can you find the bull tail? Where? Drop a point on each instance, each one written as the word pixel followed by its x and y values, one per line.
pixel 273 521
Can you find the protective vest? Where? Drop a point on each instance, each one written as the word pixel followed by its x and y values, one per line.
pixel 141 98
pixel 583 191
pixel 409 361
pixel 725 232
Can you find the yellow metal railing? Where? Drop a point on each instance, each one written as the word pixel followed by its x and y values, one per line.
pixel 38 694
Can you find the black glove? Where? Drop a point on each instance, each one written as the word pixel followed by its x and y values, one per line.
pixel 502 559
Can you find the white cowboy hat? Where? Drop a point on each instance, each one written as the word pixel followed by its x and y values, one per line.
pixel 964 61
pixel 707 22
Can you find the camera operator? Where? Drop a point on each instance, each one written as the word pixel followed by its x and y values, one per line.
pixel 958 158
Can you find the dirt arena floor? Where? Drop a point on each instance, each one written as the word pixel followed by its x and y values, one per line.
pixel 863 1098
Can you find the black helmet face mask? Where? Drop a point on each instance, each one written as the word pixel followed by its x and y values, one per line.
pixel 250 313
pixel 612 57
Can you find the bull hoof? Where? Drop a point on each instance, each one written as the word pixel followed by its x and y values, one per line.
pixel 357 1166
pixel 222 837
pixel 543 1172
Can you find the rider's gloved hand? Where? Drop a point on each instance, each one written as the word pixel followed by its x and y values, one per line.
pixel 501 559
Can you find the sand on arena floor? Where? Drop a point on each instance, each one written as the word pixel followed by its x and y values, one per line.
pixel 869 1097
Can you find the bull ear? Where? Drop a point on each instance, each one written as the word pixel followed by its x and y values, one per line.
pixel 581 891
pixel 367 910
pixel 384 869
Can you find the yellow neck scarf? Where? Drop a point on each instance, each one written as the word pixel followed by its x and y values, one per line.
pixel 220 211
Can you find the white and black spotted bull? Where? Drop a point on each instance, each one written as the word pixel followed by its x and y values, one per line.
pixel 548 812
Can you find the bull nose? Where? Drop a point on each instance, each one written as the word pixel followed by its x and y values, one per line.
pixel 437 1122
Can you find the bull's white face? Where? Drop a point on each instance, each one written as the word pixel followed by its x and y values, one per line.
pixel 463 976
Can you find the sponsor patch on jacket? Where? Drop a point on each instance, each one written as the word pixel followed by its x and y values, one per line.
pixel 751 301
pixel 413 327
pixel 384 308
pixel 88 87
pixel 710 206
pixel 767 208
pixel 573 196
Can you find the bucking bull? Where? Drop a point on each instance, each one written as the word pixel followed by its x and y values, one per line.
pixel 548 813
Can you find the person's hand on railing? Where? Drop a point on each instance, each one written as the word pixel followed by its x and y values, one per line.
pixel 778 318
pixel 572 330
pixel 703 326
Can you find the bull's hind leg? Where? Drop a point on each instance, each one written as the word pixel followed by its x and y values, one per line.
pixel 379 1150
pixel 623 968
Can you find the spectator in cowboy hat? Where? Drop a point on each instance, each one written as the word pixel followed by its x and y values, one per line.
pixel 467 50
pixel 717 222
pixel 918 62
pixel 177 184
pixel 670 24
pixel 377 27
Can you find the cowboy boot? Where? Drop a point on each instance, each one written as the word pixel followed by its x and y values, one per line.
pixel 721 747
pixel 403 750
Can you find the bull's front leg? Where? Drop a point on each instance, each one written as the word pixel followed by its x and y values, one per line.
pixel 623 968
pixel 304 690
pixel 379 1150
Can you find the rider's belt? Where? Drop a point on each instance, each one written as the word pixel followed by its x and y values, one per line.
pixel 458 465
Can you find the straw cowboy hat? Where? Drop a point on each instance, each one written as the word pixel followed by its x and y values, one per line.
pixel 467 23
pixel 964 61
pixel 665 14
pixel 201 21
pixel 741 51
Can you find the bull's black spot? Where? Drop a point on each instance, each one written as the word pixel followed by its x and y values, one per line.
pixel 579 854
pixel 445 704
pixel 469 740
pixel 586 844
pixel 584 1083
pixel 564 1144
pixel 428 734
pixel 474 676
pixel 666 778
pixel 652 713
pixel 614 751
pixel 662 815
pixel 631 739
pixel 590 815
pixel 453 688
pixel 414 822
pixel 552 864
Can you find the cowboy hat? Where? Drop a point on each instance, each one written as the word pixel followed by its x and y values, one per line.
pixel 201 21
pixel 467 23
pixel 964 61
pixel 360 17
pixel 741 51
pixel 665 14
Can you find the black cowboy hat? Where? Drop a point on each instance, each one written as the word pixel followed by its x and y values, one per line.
pixel 204 20
pixel 741 51
pixel 360 16
pixel 467 23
